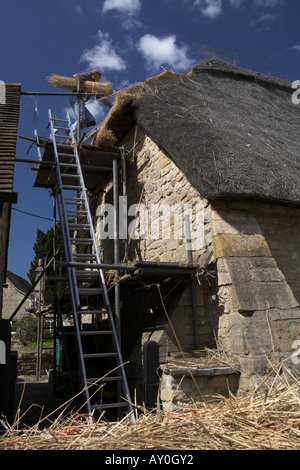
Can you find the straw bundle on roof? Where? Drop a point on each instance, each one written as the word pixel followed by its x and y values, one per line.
pixel 108 138
pixel 71 84
pixel 123 100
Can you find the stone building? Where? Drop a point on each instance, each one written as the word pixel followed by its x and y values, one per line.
pixel 221 145
pixel 16 288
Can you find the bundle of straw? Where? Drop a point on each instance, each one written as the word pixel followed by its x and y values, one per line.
pixel 125 97
pixel 71 84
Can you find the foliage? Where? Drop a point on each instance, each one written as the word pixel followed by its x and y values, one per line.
pixel 26 330
pixel 43 249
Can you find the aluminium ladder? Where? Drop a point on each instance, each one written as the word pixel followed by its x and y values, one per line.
pixel 85 281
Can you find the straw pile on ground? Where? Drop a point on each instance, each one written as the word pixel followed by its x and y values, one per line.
pixel 71 84
pixel 268 420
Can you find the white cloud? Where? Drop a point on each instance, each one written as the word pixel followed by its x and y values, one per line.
pixel 296 48
pixel 130 7
pixel 127 11
pixel 78 10
pixel 264 22
pixel 103 55
pixel 210 8
pixel 159 52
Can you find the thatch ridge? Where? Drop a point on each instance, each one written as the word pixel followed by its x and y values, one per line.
pixel 218 68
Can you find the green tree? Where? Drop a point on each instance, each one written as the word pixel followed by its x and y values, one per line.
pixel 26 330
pixel 43 249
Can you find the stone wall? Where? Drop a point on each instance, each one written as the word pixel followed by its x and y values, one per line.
pixel 251 309
pixel 154 182
pixel 181 329
pixel 12 297
pixel 26 364
pixel 280 225
pixel 260 313
pixel 182 387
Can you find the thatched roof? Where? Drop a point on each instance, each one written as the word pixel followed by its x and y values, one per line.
pixel 233 132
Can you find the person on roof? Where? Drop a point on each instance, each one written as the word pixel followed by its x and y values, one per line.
pixel 86 117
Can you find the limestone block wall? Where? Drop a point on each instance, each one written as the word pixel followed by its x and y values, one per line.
pixel 260 314
pixel 179 390
pixel 155 183
pixel 252 307
pixel 280 226
pixel 27 361
pixel 164 196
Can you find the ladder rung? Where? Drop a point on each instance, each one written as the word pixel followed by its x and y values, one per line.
pixel 68 165
pixel 60 154
pixel 82 243
pixel 79 229
pixel 105 379
pixel 80 212
pixel 87 273
pixel 109 405
pixel 79 226
pixel 77 199
pixel 95 333
pixel 84 256
pixel 91 312
pixel 62 128
pixel 83 240
pixel 89 291
pixel 68 186
pixel 58 136
pixel 58 120
pixel 69 175
pixel 74 203
pixel 99 355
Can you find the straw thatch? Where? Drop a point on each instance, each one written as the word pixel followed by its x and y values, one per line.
pixel 266 421
pixel 71 84
pixel 120 116
pixel 108 139
pixel 231 131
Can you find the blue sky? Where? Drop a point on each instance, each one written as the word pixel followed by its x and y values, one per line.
pixel 129 41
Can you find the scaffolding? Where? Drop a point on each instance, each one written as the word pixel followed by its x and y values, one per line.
pixel 98 166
